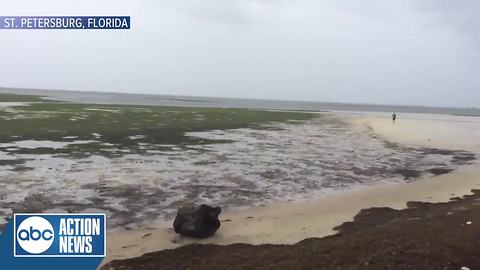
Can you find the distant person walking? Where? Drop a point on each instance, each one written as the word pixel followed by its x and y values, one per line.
pixel 394 117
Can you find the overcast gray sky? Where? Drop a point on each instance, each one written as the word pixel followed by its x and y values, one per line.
pixel 413 52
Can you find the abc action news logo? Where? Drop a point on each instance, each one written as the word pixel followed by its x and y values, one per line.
pixel 59 235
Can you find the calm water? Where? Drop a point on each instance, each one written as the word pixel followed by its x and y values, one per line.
pixel 188 101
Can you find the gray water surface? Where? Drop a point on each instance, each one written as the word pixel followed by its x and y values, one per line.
pixel 191 101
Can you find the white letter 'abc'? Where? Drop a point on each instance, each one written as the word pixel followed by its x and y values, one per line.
pixel 35 235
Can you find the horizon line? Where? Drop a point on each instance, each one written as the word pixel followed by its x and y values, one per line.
pixel 239 98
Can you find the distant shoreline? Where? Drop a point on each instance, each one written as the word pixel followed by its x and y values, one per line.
pixel 90 97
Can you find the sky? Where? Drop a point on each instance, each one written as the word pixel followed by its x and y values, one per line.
pixel 403 52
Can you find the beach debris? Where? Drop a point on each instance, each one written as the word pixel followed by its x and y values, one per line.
pixel 469 222
pixel 129 246
pixel 197 221
pixel 464 268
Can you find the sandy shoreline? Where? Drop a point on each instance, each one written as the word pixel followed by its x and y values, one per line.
pixel 288 223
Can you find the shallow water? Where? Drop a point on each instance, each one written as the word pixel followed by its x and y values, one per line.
pixel 280 162
pixel 215 102
pixel 32 144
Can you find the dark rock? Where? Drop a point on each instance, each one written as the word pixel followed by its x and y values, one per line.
pixel 197 221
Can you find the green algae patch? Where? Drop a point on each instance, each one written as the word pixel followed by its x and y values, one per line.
pixel 111 130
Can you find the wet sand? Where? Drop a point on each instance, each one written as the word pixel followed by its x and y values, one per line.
pixel 288 223
pixel 425 130
pixel 422 236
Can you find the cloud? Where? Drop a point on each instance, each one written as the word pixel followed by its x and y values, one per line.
pixel 398 51
pixel 462 16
